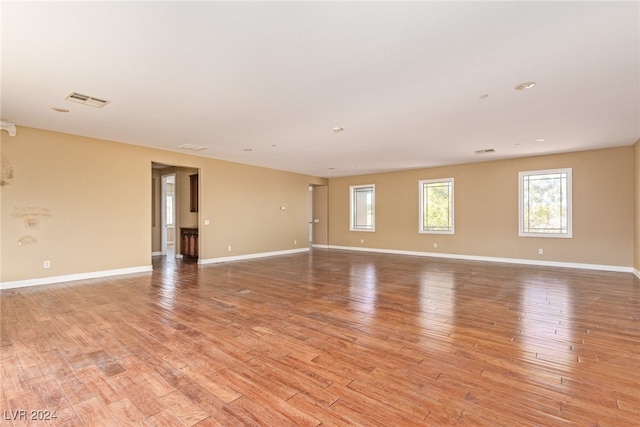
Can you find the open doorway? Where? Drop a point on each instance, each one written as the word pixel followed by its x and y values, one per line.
pixel 319 215
pixel 174 225
pixel 168 215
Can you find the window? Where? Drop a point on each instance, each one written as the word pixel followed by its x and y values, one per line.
pixel 545 203
pixel 169 209
pixel 436 206
pixel 362 207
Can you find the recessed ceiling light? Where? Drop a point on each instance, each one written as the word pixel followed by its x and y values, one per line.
pixel 193 147
pixel 60 109
pixel 338 129
pixel 525 85
pixel 541 140
pixel 247 149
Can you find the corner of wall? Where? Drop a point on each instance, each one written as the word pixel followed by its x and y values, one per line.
pixel 636 207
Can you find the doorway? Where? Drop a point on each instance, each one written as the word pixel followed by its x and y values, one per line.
pixel 318 216
pixel 168 215
pixel 173 209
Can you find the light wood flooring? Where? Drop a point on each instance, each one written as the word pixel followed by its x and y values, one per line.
pixel 331 338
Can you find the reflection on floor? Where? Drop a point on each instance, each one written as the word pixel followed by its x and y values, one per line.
pixel 169 261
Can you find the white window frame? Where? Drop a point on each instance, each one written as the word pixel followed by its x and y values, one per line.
pixel 522 209
pixel 421 224
pixel 353 226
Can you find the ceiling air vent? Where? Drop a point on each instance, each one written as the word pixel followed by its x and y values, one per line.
pixel 193 147
pixel 485 151
pixel 86 100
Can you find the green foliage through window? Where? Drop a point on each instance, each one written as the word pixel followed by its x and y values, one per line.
pixel 436 206
pixel 545 203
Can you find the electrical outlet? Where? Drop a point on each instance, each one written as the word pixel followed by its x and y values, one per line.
pixel 435 245
pixel 229 248
pixel 361 240
pixel 540 251
pixel 295 242
pixel 46 264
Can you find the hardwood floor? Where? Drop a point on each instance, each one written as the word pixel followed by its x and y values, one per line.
pixel 327 338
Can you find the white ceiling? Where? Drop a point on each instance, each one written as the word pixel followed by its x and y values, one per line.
pixel 404 80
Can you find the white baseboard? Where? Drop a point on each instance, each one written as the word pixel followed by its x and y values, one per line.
pixel 320 246
pixel 72 277
pixel 251 256
pixel 148 268
pixel 156 253
pixel 543 263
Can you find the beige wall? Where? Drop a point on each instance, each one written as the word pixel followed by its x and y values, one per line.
pixel 156 188
pixel 84 195
pixel 636 189
pixel 91 200
pixel 486 210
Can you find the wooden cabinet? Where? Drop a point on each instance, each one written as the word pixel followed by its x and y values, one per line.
pixel 189 242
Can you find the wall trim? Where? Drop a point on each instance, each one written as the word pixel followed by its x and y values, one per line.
pixel 73 277
pixel 320 246
pixel 636 272
pixel 159 253
pixel 617 268
pixel 250 256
